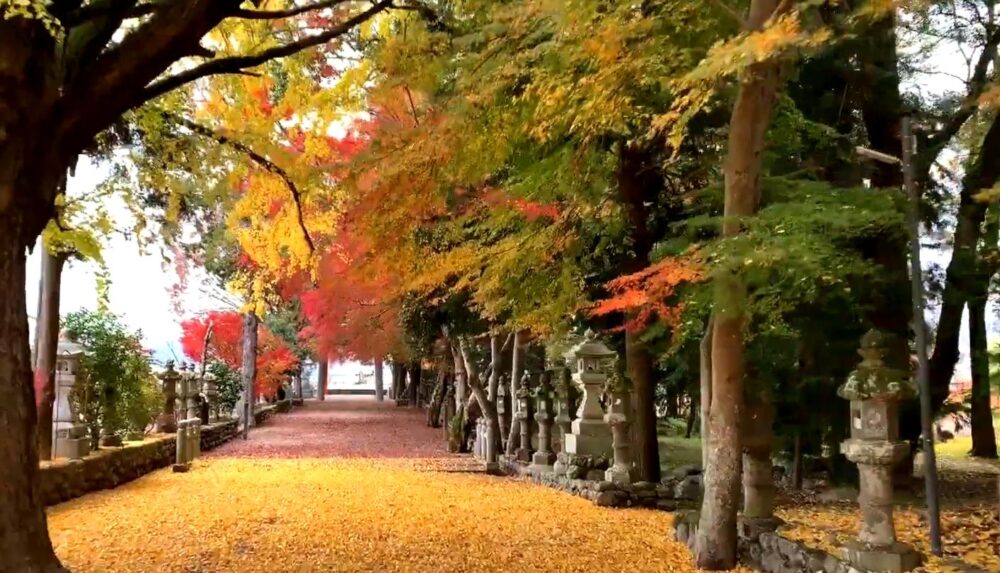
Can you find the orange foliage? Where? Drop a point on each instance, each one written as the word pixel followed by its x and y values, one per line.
pixel 649 293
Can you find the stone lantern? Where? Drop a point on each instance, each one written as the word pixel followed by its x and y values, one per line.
pixel 166 422
pixel 192 391
pixel 617 417
pixel 875 391
pixel 523 415
pixel 589 434
pixel 544 458
pixel 69 435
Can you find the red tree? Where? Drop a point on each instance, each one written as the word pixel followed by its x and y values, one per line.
pixel 274 361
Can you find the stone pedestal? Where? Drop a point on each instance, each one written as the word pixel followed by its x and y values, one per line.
pixel 875 390
pixel 543 459
pixel 589 434
pixel 620 471
pixel 490 447
pixel 70 439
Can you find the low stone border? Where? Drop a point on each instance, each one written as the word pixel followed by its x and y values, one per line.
pixel 765 549
pixel 64 480
pixel 661 496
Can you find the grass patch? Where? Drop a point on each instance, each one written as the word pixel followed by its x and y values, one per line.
pixel 677 451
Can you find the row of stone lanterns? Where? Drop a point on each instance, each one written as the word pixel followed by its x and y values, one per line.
pixel 589 434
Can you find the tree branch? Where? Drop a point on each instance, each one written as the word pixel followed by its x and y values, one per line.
pixel 976 86
pixel 257 158
pixel 236 64
pixel 288 13
pixel 91 11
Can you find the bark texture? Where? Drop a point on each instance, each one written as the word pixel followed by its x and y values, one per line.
pixel 755 101
pixel 984 440
pixel 24 539
pixel 413 389
pixel 323 375
pixel 379 383
pixel 639 361
pixel 46 345
pixel 516 365
pixel 960 277
pixel 705 357
pixel 249 370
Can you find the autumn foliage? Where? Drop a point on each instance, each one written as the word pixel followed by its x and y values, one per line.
pixel 275 359
pixel 650 293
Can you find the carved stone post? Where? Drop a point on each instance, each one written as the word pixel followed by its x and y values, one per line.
pixel 564 418
pixel 182 462
pixel 875 391
pixel 544 458
pixel 70 436
pixel 617 417
pixel 166 422
pixel 590 435
pixel 524 412
pixel 192 391
pixel 448 405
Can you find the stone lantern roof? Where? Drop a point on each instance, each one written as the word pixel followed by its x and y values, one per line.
pixel 873 379
pixel 68 348
pixel 591 348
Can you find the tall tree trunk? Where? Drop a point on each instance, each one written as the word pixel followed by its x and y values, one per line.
pixel 640 366
pixel 959 279
pixel 249 372
pixel 461 377
pixel 379 385
pixel 437 397
pixel 24 536
pixel 414 386
pixel 705 381
pixel 46 345
pixel 298 385
pixel 488 409
pixel 751 116
pixel 516 365
pixel 495 371
pixel 984 440
pixel 323 375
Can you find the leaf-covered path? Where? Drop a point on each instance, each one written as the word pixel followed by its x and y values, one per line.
pixel 350 485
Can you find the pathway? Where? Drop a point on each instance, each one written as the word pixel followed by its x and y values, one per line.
pixel 350 485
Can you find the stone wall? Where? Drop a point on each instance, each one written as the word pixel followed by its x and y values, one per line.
pixel 662 496
pixel 64 480
pixel 766 550
pixel 264 413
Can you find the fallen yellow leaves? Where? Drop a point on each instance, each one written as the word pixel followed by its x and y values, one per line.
pixel 308 515
pixel 971 534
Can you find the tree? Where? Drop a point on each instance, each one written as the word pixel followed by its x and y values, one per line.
pixel 70 70
pixel 118 393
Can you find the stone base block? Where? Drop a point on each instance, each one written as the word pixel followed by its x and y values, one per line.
pixel 540 469
pixel 620 476
pixel 751 528
pixel 180 468
pixel 543 459
pixel 523 455
pixel 588 445
pixel 896 558
pixel 72 448
pixel 493 468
